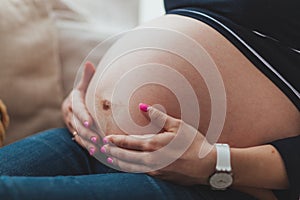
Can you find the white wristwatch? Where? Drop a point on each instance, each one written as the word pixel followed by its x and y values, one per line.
pixel 222 178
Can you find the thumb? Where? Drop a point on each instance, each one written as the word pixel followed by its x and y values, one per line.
pixel 88 72
pixel 159 118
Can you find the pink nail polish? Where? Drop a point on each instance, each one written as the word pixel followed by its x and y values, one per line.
pixel 94 139
pixel 92 151
pixel 110 160
pixel 105 140
pixel 143 107
pixel 86 124
pixel 103 150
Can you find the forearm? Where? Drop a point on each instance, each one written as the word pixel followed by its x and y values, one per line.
pixel 258 167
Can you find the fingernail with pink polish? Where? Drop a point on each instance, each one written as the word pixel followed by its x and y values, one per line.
pixel 94 140
pixel 103 150
pixel 86 124
pixel 92 151
pixel 105 140
pixel 143 107
pixel 110 160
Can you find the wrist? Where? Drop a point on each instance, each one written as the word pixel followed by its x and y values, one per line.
pixel 210 165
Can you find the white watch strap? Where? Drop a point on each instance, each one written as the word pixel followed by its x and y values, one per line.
pixel 223 157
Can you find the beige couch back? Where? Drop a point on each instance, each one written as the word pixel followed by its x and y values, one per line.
pixel 30 80
pixel 42 44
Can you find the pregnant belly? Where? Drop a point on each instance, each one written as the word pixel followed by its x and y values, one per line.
pixel 256 112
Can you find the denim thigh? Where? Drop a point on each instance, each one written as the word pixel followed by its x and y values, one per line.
pixel 49 165
pixel 49 153
pixel 109 186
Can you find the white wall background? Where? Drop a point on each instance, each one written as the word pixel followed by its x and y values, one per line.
pixel 112 16
pixel 150 9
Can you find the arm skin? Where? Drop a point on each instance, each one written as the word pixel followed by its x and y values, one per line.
pixel 256 168
pixel 259 167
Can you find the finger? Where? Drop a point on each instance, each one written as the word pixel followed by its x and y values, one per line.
pixel 79 108
pixel 70 123
pixel 68 118
pixel 130 156
pixel 90 145
pixel 75 135
pixel 79 141
pixel 159 118
pixel 85 133
pixel 128 167
pixel 128 142
pixel 141 144
pixel 67 115
pixel 66 107
pixel 88 72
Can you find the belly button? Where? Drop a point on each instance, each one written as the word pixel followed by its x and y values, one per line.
pixel 106 105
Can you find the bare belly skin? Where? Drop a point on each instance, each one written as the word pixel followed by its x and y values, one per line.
pixel 257 111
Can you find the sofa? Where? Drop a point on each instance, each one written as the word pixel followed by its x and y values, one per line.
pixel 42 45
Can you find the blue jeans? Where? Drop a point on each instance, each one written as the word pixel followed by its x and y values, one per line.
pixel 50 165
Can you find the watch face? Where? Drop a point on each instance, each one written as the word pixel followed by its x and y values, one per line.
pixel 221 180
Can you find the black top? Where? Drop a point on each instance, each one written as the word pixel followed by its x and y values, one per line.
pixel 267 32
pixel 279 19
